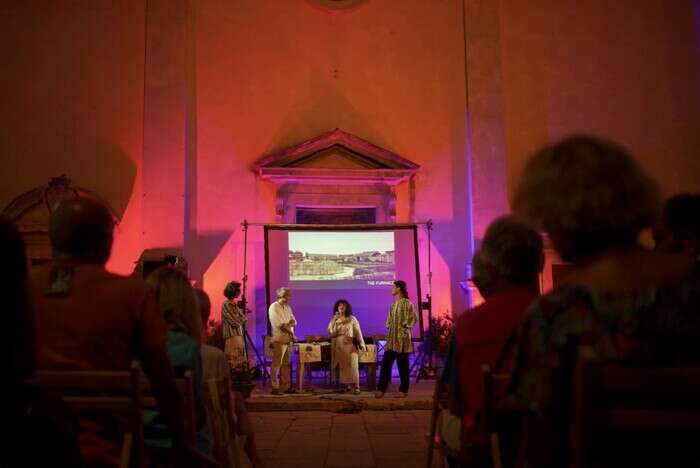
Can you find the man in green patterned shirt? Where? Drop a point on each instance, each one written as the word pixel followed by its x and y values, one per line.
pixel 402 317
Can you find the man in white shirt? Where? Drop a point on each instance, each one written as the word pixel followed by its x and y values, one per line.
pixel 283 322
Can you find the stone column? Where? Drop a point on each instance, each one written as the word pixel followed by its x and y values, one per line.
pixel 165 120
pixel 485 107
pixel 486 133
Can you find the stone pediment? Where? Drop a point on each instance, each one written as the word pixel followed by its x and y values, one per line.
pixel 336 157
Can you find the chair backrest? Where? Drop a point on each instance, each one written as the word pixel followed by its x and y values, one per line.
pixel 494 387
pixel 632 398
pixel 499 418
pixel 115 393
pixel 267 348
pixel 185 385
pixel 217 396
pixel 316 338
pixel 439 402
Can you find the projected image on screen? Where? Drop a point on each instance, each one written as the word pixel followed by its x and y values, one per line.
pixel 324 264
pixel 342 256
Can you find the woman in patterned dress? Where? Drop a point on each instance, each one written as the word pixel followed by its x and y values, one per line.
pixel 233 319
pixel 402 317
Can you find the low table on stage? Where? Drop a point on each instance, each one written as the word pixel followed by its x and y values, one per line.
pixel 308 353
pixel 312 352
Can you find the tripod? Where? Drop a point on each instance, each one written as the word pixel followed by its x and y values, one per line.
pixel 243 303
pixel 260 361
pixel 422 366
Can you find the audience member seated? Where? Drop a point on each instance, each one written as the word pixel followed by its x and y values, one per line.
pixel 215 366
pixel 506 271
pixel 28 415
pixel 678 229
pixel 89 319
pixel 629 304
pixel 178 306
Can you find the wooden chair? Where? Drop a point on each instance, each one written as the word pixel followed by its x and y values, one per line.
pixel 267 357
pixel 368 362
pixel 219 404
pixel 326 357
pixel 439 402
pixel 186 387
pixel 380 341
pixel 116 393
pixel 603 392
pixel 493 411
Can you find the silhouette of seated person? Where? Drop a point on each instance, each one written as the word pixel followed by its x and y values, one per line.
pixel 90 319
pixel 628 303
pixel 33 420
pixel 506 271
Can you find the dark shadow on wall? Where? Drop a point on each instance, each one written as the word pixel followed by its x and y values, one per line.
pixel 110 173
pixel 320 108
pixel 97 166
pixel 202 250
pixel 677 153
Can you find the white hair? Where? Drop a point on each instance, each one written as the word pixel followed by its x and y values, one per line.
pixel 281 292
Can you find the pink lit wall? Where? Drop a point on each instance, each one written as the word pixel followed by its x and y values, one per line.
pixel 628 70
pixel 273 74
pixel 71 90
pixel 162 107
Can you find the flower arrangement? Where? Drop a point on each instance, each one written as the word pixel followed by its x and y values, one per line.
pixel 241 377
pixel 242 374
pixel 214 334
pixel 440 333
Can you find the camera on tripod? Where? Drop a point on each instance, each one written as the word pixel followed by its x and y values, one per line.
pixel 243 305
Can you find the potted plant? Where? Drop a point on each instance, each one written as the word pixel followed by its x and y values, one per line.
pixel 439 335
pixel 241 379
pixel 214 334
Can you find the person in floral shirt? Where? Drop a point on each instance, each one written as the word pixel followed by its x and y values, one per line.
pixel 628 303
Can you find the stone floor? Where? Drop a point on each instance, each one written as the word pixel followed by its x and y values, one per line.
pixel 322 398
pixel 327 439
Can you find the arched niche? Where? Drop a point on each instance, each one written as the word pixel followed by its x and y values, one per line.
pixel 31 211
pixel 337 175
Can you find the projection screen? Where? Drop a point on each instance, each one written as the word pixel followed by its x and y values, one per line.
pixel 324 263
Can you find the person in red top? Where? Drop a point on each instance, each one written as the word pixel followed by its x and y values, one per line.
pixel 506 271
pixel 90 319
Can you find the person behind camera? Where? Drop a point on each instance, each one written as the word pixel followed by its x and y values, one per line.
pixel 282 321
pixel 234 320
pixel 347 338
